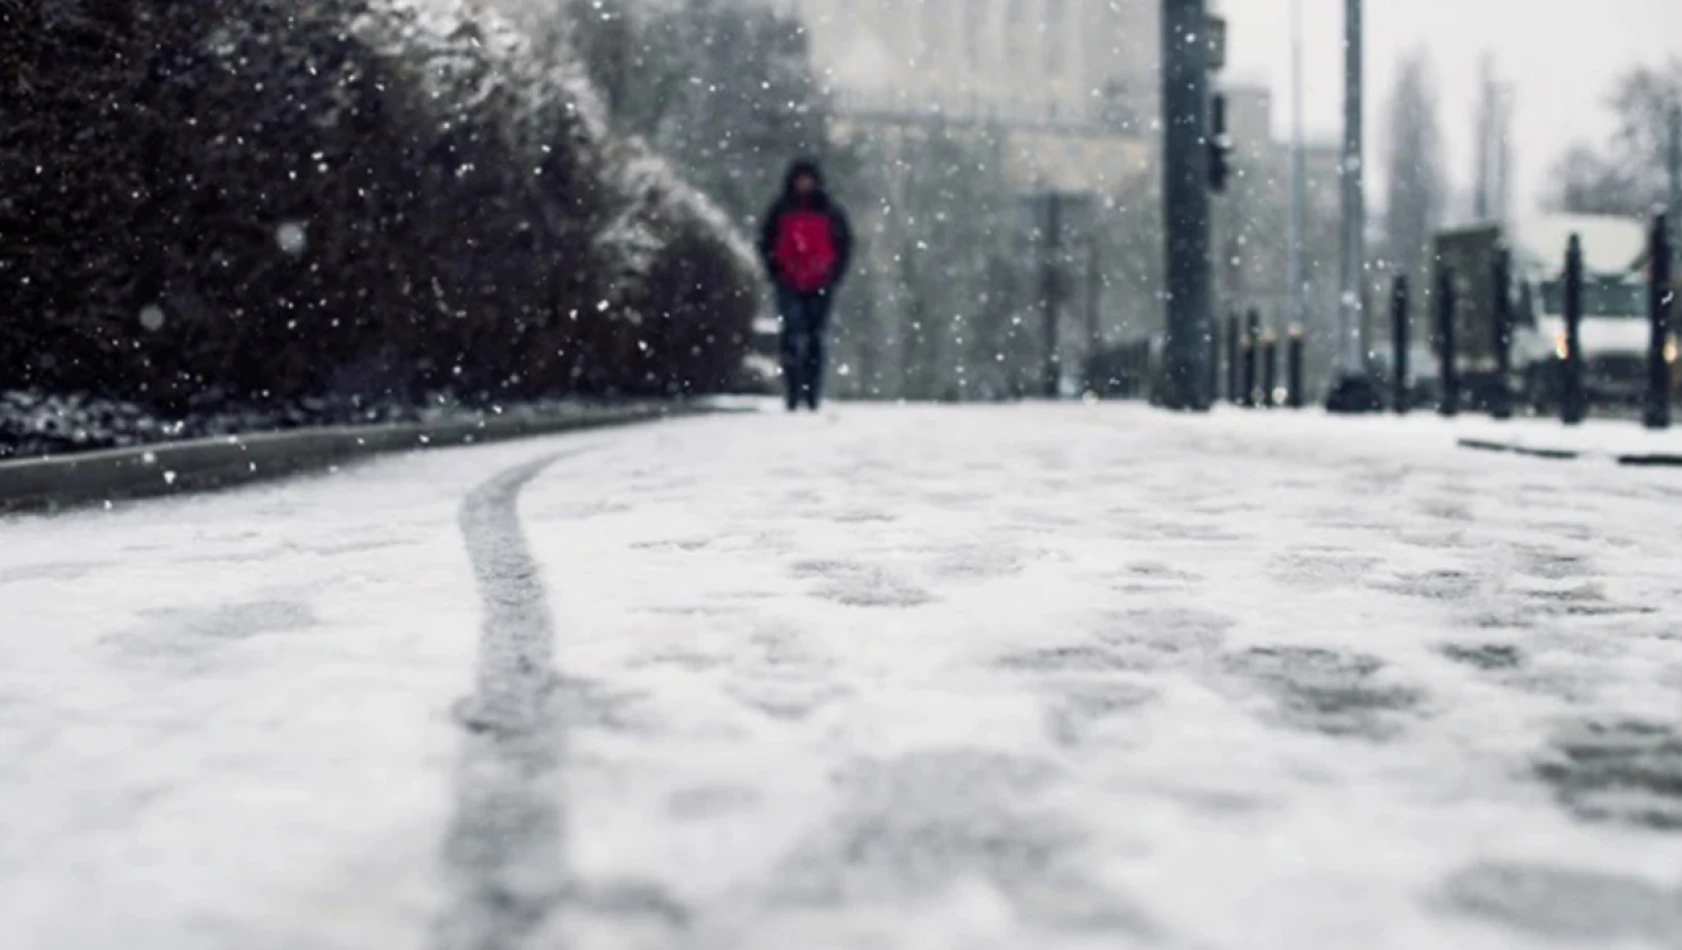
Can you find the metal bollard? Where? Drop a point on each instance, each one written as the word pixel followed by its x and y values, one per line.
pixel 1661 296
pixel 1399 320
pixel 1293 368
pixel 1232 358
pixel 1449 404
pixel 1142 369
pixel 1214 362
pixel 1501 280
pixel 1573 401
pixel 1252 340
pixel 1270 368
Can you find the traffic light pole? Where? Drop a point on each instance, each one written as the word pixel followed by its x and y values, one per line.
pixel 1185 98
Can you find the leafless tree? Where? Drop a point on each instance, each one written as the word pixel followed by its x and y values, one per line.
pixel 1417 187
pixel 1627 174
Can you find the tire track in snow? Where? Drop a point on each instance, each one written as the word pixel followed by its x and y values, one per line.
pixel 504 852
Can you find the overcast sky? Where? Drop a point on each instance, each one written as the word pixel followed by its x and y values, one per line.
pixel 1562 57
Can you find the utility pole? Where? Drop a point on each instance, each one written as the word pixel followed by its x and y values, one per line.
pixel 1296 267
pixel 1354 391
pixel 1185 195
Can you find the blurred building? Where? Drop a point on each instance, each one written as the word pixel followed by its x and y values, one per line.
pixel 1252 223
pixel 1070 86
pixel 1065 95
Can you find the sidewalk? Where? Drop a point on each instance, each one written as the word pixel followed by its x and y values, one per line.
pixel 1059 676
pixel 1105 677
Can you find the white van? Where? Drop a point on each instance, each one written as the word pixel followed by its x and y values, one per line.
pixel 1615 330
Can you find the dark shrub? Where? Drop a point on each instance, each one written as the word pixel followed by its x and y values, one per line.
pixel 257 201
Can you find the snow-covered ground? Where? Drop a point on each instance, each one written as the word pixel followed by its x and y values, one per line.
pixel 927 678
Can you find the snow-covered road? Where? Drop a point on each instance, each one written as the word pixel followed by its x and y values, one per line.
pixel 923 678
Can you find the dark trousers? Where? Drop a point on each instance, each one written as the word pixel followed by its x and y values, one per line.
pixel 805 320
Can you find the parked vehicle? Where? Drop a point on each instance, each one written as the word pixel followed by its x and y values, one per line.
pixel 1614 331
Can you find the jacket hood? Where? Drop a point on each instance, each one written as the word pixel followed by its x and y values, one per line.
pixel 802 166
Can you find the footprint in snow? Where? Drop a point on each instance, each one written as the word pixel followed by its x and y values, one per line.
pixel 854 584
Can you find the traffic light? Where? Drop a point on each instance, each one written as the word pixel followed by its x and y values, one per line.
pixel 1220 144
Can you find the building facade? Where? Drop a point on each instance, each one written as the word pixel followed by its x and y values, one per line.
pixel 1075 60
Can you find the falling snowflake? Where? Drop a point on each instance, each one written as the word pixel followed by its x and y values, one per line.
pixel 291 238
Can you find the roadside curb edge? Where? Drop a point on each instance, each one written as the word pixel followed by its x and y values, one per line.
pixel 176 468
pixel 1644 460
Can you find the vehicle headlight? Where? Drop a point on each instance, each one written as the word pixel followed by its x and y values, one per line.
pixel 1670 350
pixel 1562 345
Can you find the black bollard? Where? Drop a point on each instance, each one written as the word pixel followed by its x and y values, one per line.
pixel 1501 281
pixel 1270 368
pixel 1142 369
pixel 1214 362
pixel 1573 401
pixel 1252 342
pixel 1399 320
pixel 1233 356
pixel 1293 368
pixel 1660 296
pixel 1449 403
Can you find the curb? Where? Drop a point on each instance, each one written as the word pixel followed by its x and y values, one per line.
pixel 1641 461
pixel 1484 445
pixel 1651 461
pixel 176 468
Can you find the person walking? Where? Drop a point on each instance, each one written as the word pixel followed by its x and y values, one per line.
pixel 806 243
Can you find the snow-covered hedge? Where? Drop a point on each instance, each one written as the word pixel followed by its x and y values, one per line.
pixel 245 201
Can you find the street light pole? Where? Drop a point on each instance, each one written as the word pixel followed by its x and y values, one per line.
pixel 1185 195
